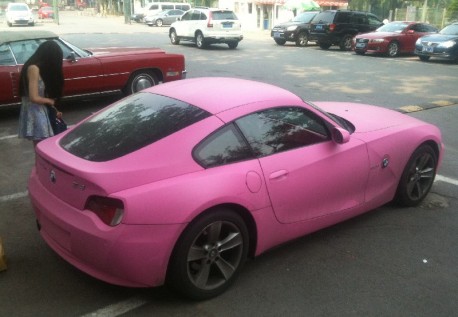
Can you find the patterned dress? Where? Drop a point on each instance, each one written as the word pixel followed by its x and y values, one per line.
pixel 33 120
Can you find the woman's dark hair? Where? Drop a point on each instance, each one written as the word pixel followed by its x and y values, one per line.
pixel 48 58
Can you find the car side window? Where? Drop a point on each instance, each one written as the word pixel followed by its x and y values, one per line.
pixel 281 129
pixel 195 15
pixel 358 18
pixel 222 147
pixel 187 16
pixel 6 56
pixel 373 20
pixel 343 17
pixel 22 50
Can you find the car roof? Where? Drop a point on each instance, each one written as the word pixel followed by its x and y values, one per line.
pixel 14 36
pixel 218 94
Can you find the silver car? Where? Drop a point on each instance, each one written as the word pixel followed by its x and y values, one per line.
pixel 165 17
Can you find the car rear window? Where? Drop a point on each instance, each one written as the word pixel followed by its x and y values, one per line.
pixel 223 15
pixel 129 125
pixel 324 17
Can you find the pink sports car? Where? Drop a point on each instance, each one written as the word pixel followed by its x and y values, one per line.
pixel 181 182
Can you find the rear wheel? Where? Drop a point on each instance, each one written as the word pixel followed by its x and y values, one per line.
pixel 174 38
pixel 417 177
pixel 393 49
pixel 346 42
pixel 360 52
pixel 200 40
pixel 140 80
pixel 280 41
pixel 209 255
pixel 233 45
pixel 302 39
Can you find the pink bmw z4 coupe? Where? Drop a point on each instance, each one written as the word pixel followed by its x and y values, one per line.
pixel 180 183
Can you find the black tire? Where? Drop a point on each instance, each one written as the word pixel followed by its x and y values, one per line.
pixel 424 58
pixel 417 177
pixel 280 41
pixel 324 45
pixel 174 39
pixel 302 39
pixel 140 80
pixel 360 52
pixel 209 255
pixel 393 49
pixel 159 22
pixel 346 42
pixel 233 45
pixel 200 40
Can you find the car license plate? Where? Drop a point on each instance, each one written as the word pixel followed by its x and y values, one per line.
pixel 428 49
pixel 278 35
pixel 227 25
pixel 319 27
pixel 360 45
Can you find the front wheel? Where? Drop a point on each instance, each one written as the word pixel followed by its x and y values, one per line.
pixel 140 80
pixel 424 58
pixel 302 39
pixel 280 41
pixel 324 45
pixel 159 22
pixel 393 49
pixel 417 177
pixel 209 255
pixel 174 38
pixel 233 45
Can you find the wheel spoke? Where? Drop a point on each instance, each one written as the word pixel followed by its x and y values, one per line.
pixel 214 231
pixel 201 279
pixel 232 240
pixel 225 268
pixel 196 253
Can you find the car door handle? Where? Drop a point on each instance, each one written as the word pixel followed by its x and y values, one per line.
pixel 278 175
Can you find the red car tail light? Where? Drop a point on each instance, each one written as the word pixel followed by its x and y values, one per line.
pixel 332 26
pixel 109 210
pixel 210 21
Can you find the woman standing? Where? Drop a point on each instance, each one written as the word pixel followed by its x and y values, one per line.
pixel 41 85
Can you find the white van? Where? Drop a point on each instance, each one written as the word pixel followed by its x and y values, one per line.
pixel 155 7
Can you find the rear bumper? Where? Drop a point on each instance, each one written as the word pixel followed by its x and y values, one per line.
pixel 126 255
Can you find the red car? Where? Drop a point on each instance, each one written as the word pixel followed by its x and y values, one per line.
pixel 45 12
pixel 88 72
pixel 392 38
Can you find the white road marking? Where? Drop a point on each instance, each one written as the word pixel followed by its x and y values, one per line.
pixel 118 308
pixel 445 179
pixel 13 196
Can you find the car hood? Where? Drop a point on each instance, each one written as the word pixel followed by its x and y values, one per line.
pixel 116 51
pixel 287 24
pixel 377 35
pixel 367 118
pixel 438 38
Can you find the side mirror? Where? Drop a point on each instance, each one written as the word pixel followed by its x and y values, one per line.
pixel 340 135
pixel 410 32
pixel 72 57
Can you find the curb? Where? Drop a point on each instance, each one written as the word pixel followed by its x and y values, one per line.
pixel 428 106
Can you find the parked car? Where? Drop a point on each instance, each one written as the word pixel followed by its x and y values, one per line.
pixel 297 30
pixel 46 12
pixel 166 17
pixel 442 45
pixel 180 182
pixel 207 26
pixel 87 72
pixel 156 7
pixel 338 27
pixel 19 14
pixel 393 38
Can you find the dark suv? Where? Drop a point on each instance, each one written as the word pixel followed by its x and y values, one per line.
pixel 296 30
pixel 338 27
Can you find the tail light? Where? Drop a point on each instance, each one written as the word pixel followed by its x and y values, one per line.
pixel 109 210
pixel 210 20
pixel 332 26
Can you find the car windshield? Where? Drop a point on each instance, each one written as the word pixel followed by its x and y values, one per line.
pixel 305 17
pixel 129 125
pixel 18 8
pixel 450 30
pixel 223 15
pixel 397 27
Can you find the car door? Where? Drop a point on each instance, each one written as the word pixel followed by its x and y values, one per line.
pixel 9 76
pixel 182 26
pixel 307 174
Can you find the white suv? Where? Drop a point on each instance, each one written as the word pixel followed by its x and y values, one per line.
pixel 207 26
pixel 19 14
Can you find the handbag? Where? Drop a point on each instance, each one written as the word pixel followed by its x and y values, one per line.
pixel 58 124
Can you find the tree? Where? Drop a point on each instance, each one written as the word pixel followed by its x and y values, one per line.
pixel 452 11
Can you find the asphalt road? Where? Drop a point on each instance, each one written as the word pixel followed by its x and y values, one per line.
pixel 388 262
